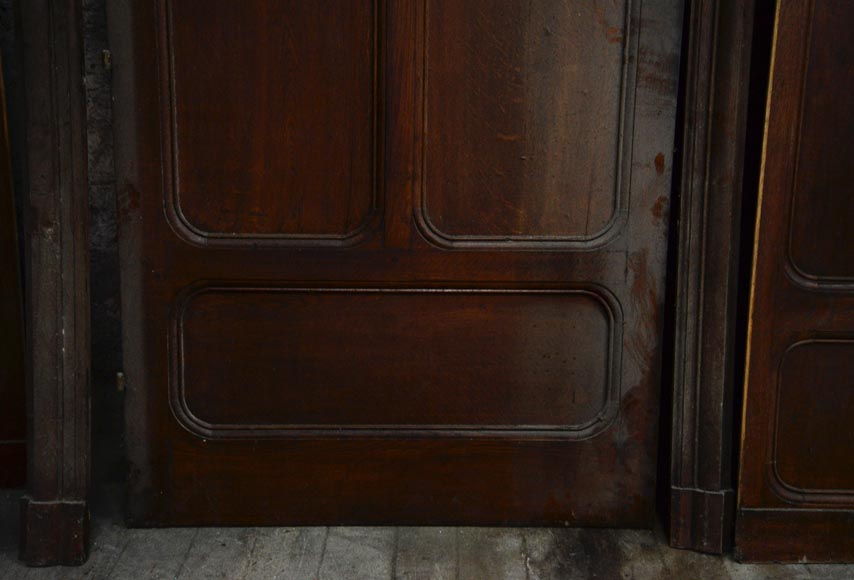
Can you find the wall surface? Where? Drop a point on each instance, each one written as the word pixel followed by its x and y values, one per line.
pixel 107 409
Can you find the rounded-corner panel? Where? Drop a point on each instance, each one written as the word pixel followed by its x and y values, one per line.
pixel 820 242
pixel 813 404
pixel 503 145
pixel 274 160
pixel 312 378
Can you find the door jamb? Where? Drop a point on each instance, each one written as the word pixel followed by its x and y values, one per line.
pixel 704 419
pixel 55 509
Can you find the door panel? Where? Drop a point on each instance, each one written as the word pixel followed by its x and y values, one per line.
pixel 812 438
pixel 287 151
pixel 821 243
pixel 400 262
pixel 796 467
pixel 525 114
pixel 450 360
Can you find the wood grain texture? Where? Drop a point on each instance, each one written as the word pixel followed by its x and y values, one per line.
pixel 796 490
pixel 526 105
pixel 55 510
pixel 715 108
pixel 448 361
pixel 413 353
pixel 288 150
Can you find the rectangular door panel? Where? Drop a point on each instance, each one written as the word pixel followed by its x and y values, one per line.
pixel 526 104
pixel 287 150
pixel 821 243
pixel 449 360
pixel 812 436
pixel 393 262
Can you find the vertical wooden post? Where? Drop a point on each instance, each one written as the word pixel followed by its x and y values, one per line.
pixel 55 511
pixel 702 500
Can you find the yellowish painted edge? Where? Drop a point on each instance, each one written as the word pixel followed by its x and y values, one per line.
pixel 749 342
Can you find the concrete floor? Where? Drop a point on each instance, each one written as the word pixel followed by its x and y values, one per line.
pixel 386 553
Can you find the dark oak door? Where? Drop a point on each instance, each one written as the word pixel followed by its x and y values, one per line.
pixel 796 491
pixel 394 261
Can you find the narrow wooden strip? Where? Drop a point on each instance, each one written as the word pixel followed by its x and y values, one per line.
pixel 401 96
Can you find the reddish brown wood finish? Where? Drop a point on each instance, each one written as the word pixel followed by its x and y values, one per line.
pixel 271 152
pixel 393 262
pixel 13 426
pixel 796 494
pixel 534 81
pixel 55 512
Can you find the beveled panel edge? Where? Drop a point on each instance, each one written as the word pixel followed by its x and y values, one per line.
pixel 800 276
pixel 196 236
pixel 623 162
pixel 813 283
pixel 786 491
pixel 603 419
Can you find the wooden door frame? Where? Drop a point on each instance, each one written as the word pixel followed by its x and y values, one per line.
pixel 54 512
pixel 704 414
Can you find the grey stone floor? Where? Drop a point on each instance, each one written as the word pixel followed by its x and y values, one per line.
pixel 387 553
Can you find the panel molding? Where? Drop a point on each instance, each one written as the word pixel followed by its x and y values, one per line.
pixel 783 489
pixel 625 131
pixel 797 274
pixel 182 412
pixel 183 226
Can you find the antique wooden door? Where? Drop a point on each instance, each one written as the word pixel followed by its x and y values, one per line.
pixel 796 490
pixel 393 261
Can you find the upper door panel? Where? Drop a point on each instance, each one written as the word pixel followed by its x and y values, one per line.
pixel 272 126
pixel 528 120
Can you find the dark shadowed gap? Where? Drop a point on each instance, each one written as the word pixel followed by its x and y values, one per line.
pixel 668 342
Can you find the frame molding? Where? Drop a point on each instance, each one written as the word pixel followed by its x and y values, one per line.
pixel 702 496
pixel 55 510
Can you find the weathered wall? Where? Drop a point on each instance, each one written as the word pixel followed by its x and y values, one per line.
pixel 106 322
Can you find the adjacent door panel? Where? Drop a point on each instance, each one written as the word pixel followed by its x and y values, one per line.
pixel 394 261
pixel 796 492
